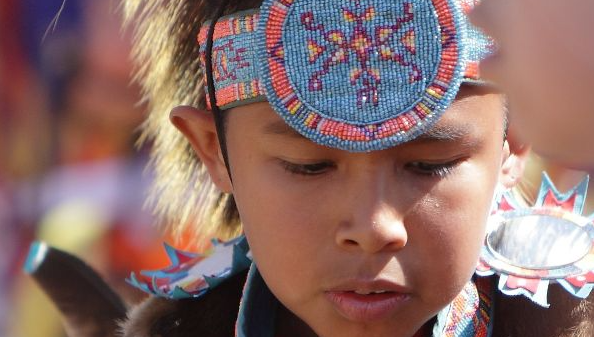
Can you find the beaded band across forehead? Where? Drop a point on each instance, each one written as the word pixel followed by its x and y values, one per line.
pixel 358 75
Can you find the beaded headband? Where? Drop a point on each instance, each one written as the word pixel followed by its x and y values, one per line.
pixel 358 75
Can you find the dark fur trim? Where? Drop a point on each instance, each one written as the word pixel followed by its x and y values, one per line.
pixel 212 315
pixel 567 316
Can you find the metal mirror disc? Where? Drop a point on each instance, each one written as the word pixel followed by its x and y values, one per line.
pixel 539 242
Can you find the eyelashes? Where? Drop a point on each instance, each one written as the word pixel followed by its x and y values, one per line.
pixel 307 169
pixel 427 169
pixel 433 169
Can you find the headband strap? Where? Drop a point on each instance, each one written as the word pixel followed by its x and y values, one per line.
pixel 210 83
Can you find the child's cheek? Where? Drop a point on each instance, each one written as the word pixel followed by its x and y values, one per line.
pixel 285 227
pixel 446 232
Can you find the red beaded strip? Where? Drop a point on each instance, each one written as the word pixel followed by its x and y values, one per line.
pixel 229 27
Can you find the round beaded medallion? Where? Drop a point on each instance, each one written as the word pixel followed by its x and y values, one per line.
pixel 361 75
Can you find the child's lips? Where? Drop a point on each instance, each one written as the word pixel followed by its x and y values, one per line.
pixel 368 302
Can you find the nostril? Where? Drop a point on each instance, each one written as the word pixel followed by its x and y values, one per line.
pixel 351 243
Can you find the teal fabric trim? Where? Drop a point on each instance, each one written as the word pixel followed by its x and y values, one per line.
pixel 35 257
pixel 258 308
pixel 192 275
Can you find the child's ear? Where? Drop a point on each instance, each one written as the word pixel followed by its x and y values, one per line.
pixel 198 126
pixel 514 159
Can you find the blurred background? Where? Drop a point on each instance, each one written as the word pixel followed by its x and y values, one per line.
pixel 70 173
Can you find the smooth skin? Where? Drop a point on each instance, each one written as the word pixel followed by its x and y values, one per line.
pixel 545 65
pixel 317 218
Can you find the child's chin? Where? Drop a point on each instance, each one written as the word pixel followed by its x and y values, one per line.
pixel 398 325
pixel 378 329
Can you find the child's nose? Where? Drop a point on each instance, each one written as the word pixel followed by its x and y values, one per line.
pixel 373 228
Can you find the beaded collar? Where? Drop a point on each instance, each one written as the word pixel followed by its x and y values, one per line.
pixel 358 75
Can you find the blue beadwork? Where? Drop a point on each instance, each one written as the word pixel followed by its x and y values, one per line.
pixel 358 75
pixel 366 83
pixel 352 127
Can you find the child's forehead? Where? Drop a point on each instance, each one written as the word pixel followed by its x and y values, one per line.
pixel 357 76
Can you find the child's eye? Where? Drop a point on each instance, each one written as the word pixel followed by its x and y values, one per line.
pixel 433 169
pixel 307 169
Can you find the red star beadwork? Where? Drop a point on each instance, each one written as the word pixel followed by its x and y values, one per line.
pixel 362 45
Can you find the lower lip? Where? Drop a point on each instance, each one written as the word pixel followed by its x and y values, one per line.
pixel 366 308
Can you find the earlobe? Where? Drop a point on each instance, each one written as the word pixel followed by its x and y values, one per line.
pixel 514 159
pixel 198 127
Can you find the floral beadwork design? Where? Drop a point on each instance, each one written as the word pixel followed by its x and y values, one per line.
pixel 340 47
pixel 357 75
pixel 361 75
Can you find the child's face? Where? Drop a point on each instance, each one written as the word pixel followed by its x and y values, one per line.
pixel 546 65
pixel 324 223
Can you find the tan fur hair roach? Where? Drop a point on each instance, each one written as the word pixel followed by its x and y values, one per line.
pixel 166 56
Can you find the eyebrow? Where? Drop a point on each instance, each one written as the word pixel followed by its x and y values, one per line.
pixel 445 133
pixel 280 128
pixel 438 133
